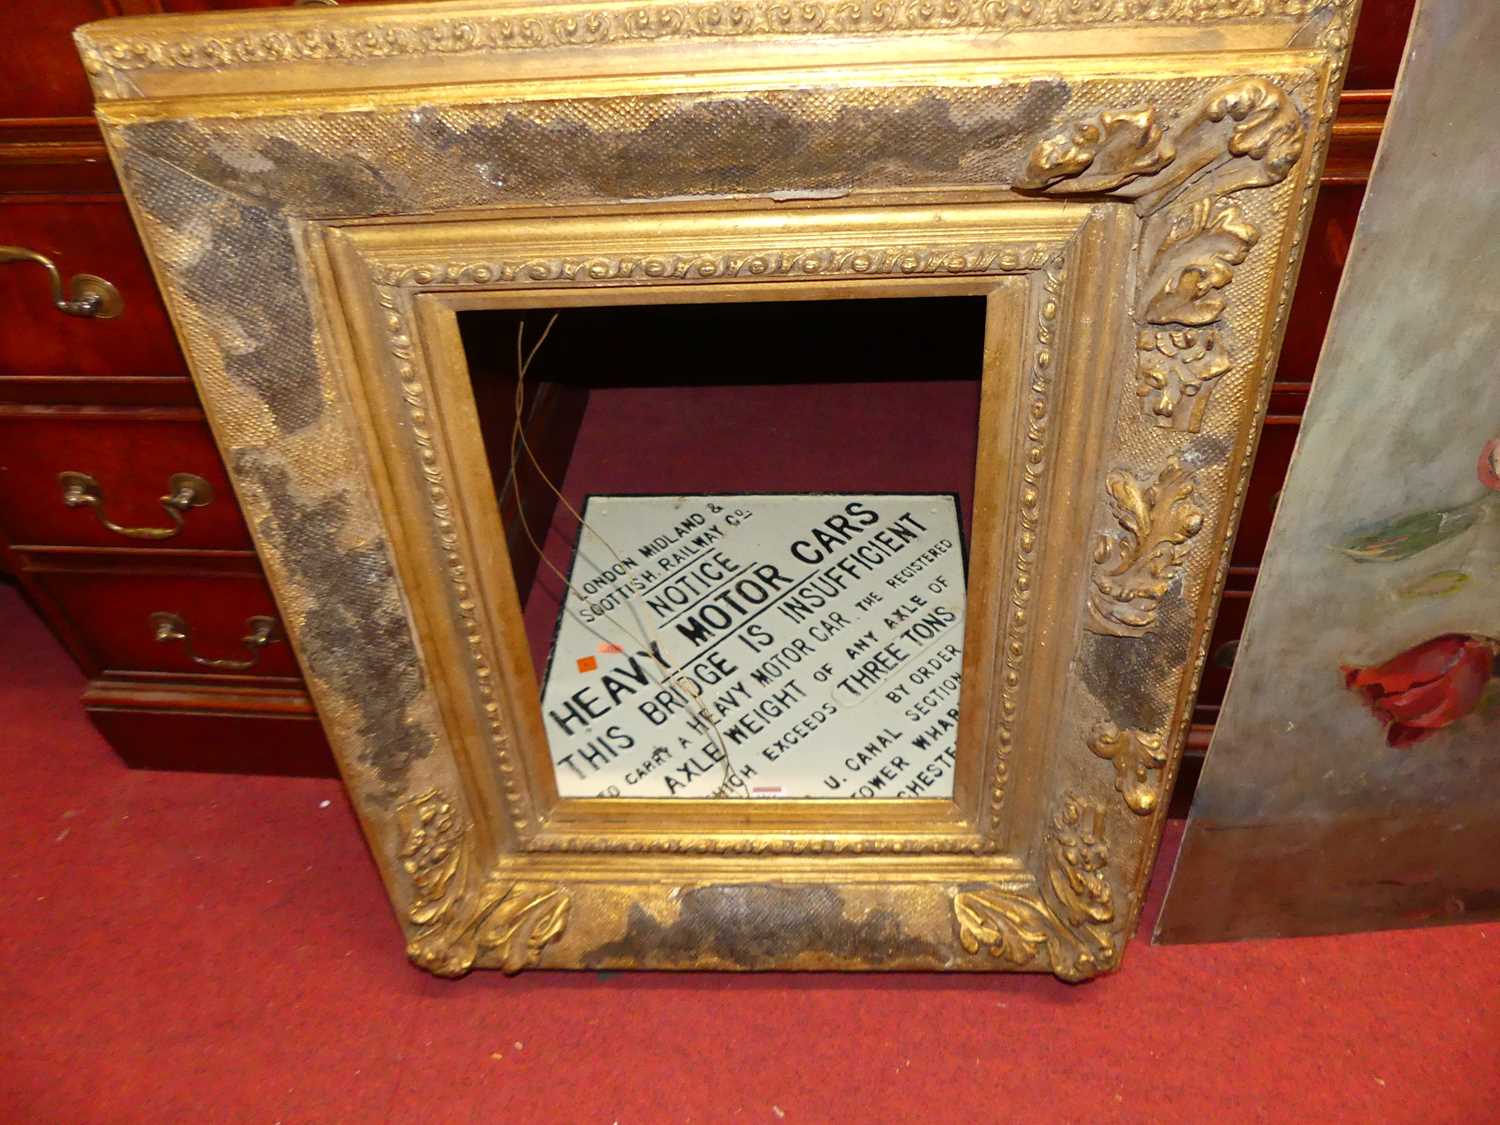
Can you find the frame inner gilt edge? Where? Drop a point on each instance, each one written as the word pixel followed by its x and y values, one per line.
pixel 392 284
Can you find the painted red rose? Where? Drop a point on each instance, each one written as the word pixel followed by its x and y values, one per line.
pixel 1426 687
pixel 1489 464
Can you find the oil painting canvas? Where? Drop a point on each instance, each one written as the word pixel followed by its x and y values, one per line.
pixel 1354 778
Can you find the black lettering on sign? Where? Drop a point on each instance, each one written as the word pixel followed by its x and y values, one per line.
pixel 731 604
pixel 765 646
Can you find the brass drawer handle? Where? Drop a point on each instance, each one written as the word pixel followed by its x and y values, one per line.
pixel 259 632
pixel 184 491
pixel 87 295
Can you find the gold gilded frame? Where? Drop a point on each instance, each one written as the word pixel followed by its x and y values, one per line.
pixel 1127 182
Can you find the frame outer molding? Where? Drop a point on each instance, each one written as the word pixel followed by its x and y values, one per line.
pixel 250 209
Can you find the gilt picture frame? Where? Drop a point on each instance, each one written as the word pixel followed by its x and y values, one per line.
pixel 323 192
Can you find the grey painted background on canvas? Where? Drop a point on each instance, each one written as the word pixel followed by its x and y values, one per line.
pixel 1305 820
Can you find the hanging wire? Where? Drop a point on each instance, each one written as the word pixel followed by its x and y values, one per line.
pixel 647 641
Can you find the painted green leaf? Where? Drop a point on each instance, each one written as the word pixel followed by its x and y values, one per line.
pixel 1438 584
pixel 1406 536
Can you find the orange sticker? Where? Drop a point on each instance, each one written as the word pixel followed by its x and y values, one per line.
pixel 606 646
pixel 587 664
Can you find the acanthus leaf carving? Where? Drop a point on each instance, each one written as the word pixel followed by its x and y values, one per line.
pixel 525 918
pixel 1009 925
pixel 1192 250
pixel 1248 131
pixel 1245 133
pixel 461 913
pixel 1065 917
pixel 1135 566
pixel 1249 128
pixel 1099 154
pixel 1136 756
pixel 1193 262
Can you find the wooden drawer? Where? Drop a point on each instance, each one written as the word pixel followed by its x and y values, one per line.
pixel 224 729
pixel 102 605
pixel 59 156
pixel 132 455
pixel 80 236
pixel 49 80
pixel 211 741
pixel 97 390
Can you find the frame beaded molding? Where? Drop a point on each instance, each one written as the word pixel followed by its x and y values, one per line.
pixel 313 37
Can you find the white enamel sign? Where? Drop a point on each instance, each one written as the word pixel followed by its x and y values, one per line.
pixel 760 646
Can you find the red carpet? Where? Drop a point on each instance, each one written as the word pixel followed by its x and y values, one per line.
pixel 192 947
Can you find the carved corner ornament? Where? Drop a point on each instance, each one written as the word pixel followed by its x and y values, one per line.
pixel 1248 125
pixel 1136 755
pixel 1247 133
pixel 1135 566
pixel 1066 918
pixel 460 912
